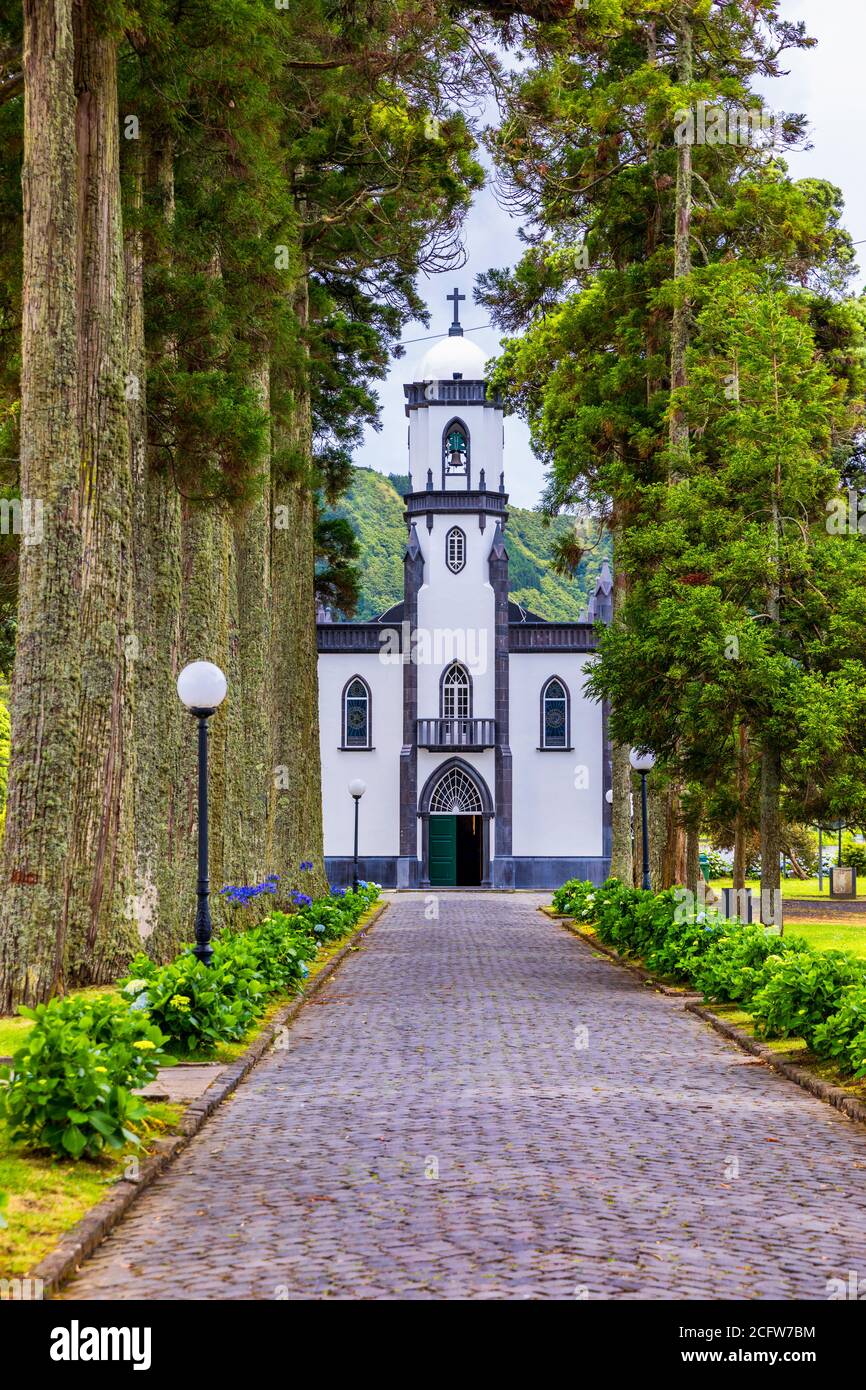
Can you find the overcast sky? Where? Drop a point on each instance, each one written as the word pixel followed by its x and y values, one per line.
pixel 826 82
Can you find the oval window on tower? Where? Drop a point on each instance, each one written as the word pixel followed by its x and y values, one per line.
pixel 455 550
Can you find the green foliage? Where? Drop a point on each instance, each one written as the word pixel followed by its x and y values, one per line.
pixel 737 961
pixel 373 507
pixel 199 1006
pixel 854 855
pixel 69 1086
pixel 803 990
pixel 842 1037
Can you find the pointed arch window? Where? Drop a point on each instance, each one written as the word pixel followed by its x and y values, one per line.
pixel 455 451
pixel 555 714
pixel 456 692
pixel 455 549
pixel 455 794
pixel 357 704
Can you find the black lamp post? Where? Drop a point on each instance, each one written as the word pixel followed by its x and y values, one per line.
pixel 202 688
pixel 357 787
pixel 643 762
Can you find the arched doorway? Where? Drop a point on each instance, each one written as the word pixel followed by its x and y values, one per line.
pixel 455 809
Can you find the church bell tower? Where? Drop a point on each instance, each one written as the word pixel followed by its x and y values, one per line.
pixel 455 613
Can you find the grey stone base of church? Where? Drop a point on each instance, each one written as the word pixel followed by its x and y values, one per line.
pixel 374 868
pixel 514 872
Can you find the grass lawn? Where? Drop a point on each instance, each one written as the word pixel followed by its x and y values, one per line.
pixel 791 887
pixel 827 936
pixel 46 1195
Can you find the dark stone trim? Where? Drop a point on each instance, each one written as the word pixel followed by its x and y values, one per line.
pixel 551 637
pixel 356 747
pixel 442 714
pixel 458 501
pixel 555 747
pixel 498 571
pixel 540 872
pixel 456 391
pixel 606 782
pixel 376 868
pixel 357 637
pixel 455 420
pixel 413 574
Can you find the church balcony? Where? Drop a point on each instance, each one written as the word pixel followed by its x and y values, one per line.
pixel 469 734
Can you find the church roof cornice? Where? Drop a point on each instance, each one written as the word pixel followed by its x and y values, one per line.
pixel 456 502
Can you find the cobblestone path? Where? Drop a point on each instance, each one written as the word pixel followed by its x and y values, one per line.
pixel 437 1128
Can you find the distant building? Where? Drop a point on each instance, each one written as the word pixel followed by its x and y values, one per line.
pixel 464 714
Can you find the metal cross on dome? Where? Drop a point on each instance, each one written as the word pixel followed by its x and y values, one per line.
pixel 456 298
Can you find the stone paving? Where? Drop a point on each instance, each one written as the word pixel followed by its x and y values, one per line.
pixel 480 1106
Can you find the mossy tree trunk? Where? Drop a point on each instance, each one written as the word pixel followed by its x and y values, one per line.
pixel 206 562
pixel 46 682
pixel 101 932
pixel 250 772
pixel 621 863
pixel 156 502
pixel 294 658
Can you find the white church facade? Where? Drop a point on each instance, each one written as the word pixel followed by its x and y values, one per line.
pixel 466 716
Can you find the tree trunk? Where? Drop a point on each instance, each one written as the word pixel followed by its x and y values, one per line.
pixel 248 848
pixel 693 857
pixel 637 802
pixel 294 659
pixel 206 581
pixel 771 846
pixel 771 756
pixel 164 861
pixel 101 933
pixel 46 681
pixel 672 866
pixel 740 850
pixel 679 429
pixel 621 865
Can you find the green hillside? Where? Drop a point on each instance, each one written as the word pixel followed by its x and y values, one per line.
pixel 374 508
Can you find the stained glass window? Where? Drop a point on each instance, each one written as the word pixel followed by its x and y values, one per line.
pixel 555 715
pixel 357 722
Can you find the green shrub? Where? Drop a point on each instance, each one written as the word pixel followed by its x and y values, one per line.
pixel 69 1086
pixel 197 1005
pixel 283 952
pixel 842 1037
pixel 804 989
pixel 734 966
pixel 854 855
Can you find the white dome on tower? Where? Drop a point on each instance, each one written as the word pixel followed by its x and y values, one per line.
pixel 452 356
